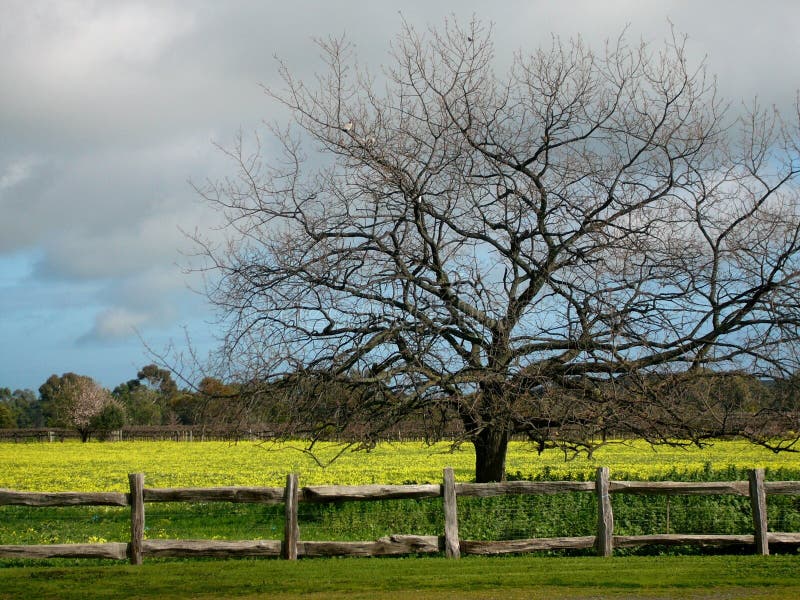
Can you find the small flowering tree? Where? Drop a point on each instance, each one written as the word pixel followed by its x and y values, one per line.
pixel 78 402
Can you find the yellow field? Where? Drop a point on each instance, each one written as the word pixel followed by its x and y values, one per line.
pixel 104 466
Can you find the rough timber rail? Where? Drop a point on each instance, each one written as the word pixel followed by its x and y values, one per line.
pixel 292 547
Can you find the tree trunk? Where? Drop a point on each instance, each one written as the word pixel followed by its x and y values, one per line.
pixel 490 454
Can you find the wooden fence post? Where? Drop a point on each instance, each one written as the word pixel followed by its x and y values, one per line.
pixel 291 529
pixel 452 547
pixel 136 481
pixel 758 503
pixel 605 515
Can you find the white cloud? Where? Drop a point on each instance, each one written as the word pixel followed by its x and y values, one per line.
pixel 16 172
pixel 117 323
pixel 72 39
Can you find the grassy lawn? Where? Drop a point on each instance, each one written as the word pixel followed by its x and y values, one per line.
pixel 418 578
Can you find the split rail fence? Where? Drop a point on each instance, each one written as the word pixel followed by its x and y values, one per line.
pixel 291 546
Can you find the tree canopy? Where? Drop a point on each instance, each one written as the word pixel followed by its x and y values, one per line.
pixel 78 402
pixel 560 250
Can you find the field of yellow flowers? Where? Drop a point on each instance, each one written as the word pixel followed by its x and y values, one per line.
pixel 63 466
pixel 72 466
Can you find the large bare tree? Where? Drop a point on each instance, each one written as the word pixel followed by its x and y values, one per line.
pixel 553 251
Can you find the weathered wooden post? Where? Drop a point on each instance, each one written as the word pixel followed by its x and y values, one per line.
pixel 758 503
pixel 291 529
pixel 452 548
pixel 136 481
pixel 605 515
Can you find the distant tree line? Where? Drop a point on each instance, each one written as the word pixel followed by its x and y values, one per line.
pixel 313 407
pixel 77 402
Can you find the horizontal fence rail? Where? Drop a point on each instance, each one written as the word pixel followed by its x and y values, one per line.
pixel 14 498
pixel 292 546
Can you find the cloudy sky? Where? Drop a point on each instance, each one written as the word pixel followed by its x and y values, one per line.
pixel 109 109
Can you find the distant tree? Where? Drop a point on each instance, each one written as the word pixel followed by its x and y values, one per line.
pixel 74 401
pixel 27 409
pixel 186 408
pixel 86 402
pixel 110 418
pixel 54 399
pixel 217 403
pixel 123 391
pixel 148 399
pixel 143 405
pixel 786 393
pixel 521 251
pixel 24 406
pixel 159 379
pixel 7 420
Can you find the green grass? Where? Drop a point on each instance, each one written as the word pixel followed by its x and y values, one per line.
pixel 418 578
pixel 496 518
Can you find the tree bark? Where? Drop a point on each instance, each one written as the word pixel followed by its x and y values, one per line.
pixel 490 454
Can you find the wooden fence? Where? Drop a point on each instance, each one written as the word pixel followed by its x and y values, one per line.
pixel 292 546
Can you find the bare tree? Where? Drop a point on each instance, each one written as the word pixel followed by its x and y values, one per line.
pixel 551 252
